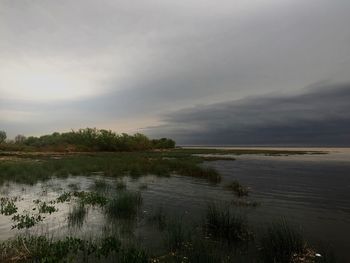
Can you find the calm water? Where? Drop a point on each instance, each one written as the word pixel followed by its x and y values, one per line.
pixel 312 191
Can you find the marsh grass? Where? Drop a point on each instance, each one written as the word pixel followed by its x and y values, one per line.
pixel 280 242
pixel 77 215
pixel 175 234
pixel 124 205
pixel 100 185
pixel 238 189
pixel 74 186
pixel 221 223
pixel 143 186
pixel 34 168
pixel 159 218
pixel 43 249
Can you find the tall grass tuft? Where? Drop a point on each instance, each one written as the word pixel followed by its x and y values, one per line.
pixel 77 215
pixel 124 205
pixel 281 242
pixel 238 189
pixel 221 223
pixel 175 234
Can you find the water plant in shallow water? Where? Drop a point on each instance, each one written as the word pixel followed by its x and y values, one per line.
pixel 91 198
pixel 159 218
pixel 120 185
pixel 44 208
pixel 222 223
pixel 26 220
pixel 77 215
pixel 237 188
pixel 65 197
pixel 100 185
pixel 7 206
pixel 124 205
pixel 281 242
pixel 70 249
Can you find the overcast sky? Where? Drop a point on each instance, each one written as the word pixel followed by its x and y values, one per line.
pixel 264 71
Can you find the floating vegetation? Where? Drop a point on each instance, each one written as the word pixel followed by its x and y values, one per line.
pixel 91 198
pixel 65 197
pixel 7 206
pixel 222 223
pixel 124 205
pixel 237 188
pixel 26 221
pixel 77 215
pixel 44 208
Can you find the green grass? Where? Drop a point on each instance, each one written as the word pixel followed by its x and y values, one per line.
pixel 91 198
pixel 159 218
pixel 221 223
pixel 44 208
pixel 124 205
pixel 280 242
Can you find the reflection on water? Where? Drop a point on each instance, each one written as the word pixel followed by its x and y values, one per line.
pixel 310 190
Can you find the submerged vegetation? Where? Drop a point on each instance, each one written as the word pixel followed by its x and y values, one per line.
pixel 238 189
pixel 124 205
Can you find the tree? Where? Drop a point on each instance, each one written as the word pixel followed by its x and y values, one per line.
pixel 2 136
pixel 19 139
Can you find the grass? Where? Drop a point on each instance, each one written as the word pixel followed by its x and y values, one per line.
pixel 100 185
pixel 238 189
pixel 77 215
pixel 281 242
pixel 223 224
pixel 124 205
pixel 159 218
pixel 175 234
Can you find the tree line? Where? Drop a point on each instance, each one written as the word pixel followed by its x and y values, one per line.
pixel 88 139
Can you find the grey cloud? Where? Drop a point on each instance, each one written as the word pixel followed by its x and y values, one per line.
pixel 319 116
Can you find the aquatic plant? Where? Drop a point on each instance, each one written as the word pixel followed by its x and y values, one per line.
pixel 77 215
pixel 280 242
pixel 7 206
pixel 222 223
pixel 124 204
pixel 120 185
pixel 100 185
pixel 26 220
pixel 65 197
pixel 175 234
pixel 159 218
pixel 237 188
pixel 91 198
pixel 45 208
pixel 74 186
pixel 69 249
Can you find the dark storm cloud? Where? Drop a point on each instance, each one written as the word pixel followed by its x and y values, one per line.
pixel 127 62
pixel 320 116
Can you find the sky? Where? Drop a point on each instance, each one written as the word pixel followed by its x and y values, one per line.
pixel 232 72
